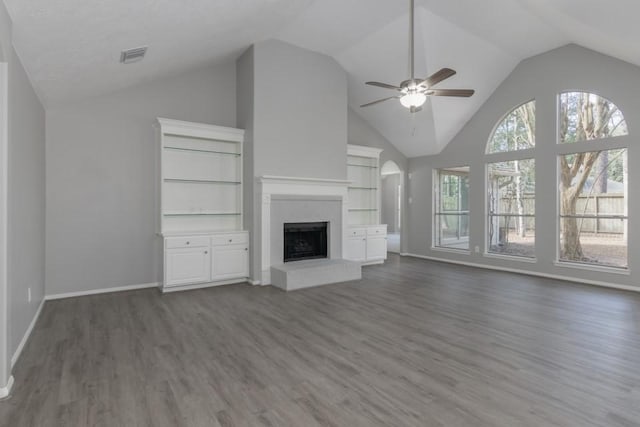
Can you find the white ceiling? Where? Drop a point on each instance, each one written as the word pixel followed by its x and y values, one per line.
pixel 71 47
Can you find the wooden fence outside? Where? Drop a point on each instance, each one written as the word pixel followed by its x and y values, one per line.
pixel 601 204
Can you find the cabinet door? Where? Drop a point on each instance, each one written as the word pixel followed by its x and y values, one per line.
pixel 356 249
pixel 376 248
pixel 185 266
pixel 230 262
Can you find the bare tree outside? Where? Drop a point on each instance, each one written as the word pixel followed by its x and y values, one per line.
pixel 583 117
pixel 592 185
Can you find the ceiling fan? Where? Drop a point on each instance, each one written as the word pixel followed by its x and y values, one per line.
pixel 414 92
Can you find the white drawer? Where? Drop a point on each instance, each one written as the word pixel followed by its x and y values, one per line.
pixel 356 232
pixel 230 239
pixel 187 242
pixel 378 230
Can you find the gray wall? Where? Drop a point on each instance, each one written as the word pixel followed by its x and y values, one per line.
pixel 26 199
pixel 540 78
pixel 101 177
pixel 362 133
pixel 389 201
pixel 300 113
pixel 293 104
pixel 245 120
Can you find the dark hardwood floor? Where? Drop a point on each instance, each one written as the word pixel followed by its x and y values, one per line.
pixel 415 343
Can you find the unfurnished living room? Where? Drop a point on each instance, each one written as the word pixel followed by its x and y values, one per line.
pixel 319 213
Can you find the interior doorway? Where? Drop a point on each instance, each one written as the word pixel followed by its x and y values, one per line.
pixel 391 203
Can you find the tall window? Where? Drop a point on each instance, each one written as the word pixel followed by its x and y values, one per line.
pixel 511 198
pixel 511 185
pixel 451 213
pixel 593 184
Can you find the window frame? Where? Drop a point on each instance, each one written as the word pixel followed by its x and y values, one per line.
pixel 436 212
pixel 528 154
pixel 487 151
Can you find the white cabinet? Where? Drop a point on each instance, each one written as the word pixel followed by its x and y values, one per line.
pixel 214 259
pixel 356 249
pixel 187 266
pixel 376 248
pixel 230 261
pixel 367 244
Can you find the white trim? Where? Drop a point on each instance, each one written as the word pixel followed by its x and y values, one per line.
pixel 591 267
pixel 254 282
pixel 6 390
pixel 451 250
pixel 510 257
pixel 168 290
pixel 530 273
pixel 27 334
pixel 274 179
pixel 200 130
pixel 363 151
pixel 101 291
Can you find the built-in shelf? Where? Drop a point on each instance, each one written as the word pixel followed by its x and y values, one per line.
pixel 200 181
pixel 197 150
pixel 364 187
pixel 200 177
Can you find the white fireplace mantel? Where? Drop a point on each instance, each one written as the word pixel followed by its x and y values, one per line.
pixel 270 185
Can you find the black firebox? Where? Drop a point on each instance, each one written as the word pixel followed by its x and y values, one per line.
pixel 305 240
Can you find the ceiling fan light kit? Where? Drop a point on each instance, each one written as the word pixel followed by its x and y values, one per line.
pixel 414 92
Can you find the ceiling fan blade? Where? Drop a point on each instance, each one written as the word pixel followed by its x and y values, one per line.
pixel 384 85
pixel 464 93
pixel 379 100
pixel 437 77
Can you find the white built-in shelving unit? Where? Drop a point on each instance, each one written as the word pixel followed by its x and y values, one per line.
pixel 201 203
pixel 366 237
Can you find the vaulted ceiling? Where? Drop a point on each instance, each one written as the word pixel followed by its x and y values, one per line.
pixel 71 47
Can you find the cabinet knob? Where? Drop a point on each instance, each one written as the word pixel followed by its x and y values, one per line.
pixel 230 240
pixel 246 249
pixel 188 242
pixel 206 252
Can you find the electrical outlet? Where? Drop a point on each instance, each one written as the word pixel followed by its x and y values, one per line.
pixel 477 249
pixel 28 294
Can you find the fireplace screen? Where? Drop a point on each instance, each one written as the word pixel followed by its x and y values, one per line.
pixel 305 240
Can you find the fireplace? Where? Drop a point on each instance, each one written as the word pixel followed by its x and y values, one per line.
pixel 305 240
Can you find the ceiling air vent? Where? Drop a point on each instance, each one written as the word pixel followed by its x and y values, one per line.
pixel 133 55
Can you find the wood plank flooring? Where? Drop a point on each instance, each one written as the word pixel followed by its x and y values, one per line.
pixel 415 343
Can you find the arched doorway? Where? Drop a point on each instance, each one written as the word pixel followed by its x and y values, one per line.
pixel 391 203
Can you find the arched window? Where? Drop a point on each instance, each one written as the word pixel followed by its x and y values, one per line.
pixel 511 185
pixel 584 116
pixel 516 131
pixel 592 185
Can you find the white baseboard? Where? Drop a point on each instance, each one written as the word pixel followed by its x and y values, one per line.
pixel 168 290
pixel 529 273
pixel 254 282
pixel 6 390
pixel 101 291
pixel 27 334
